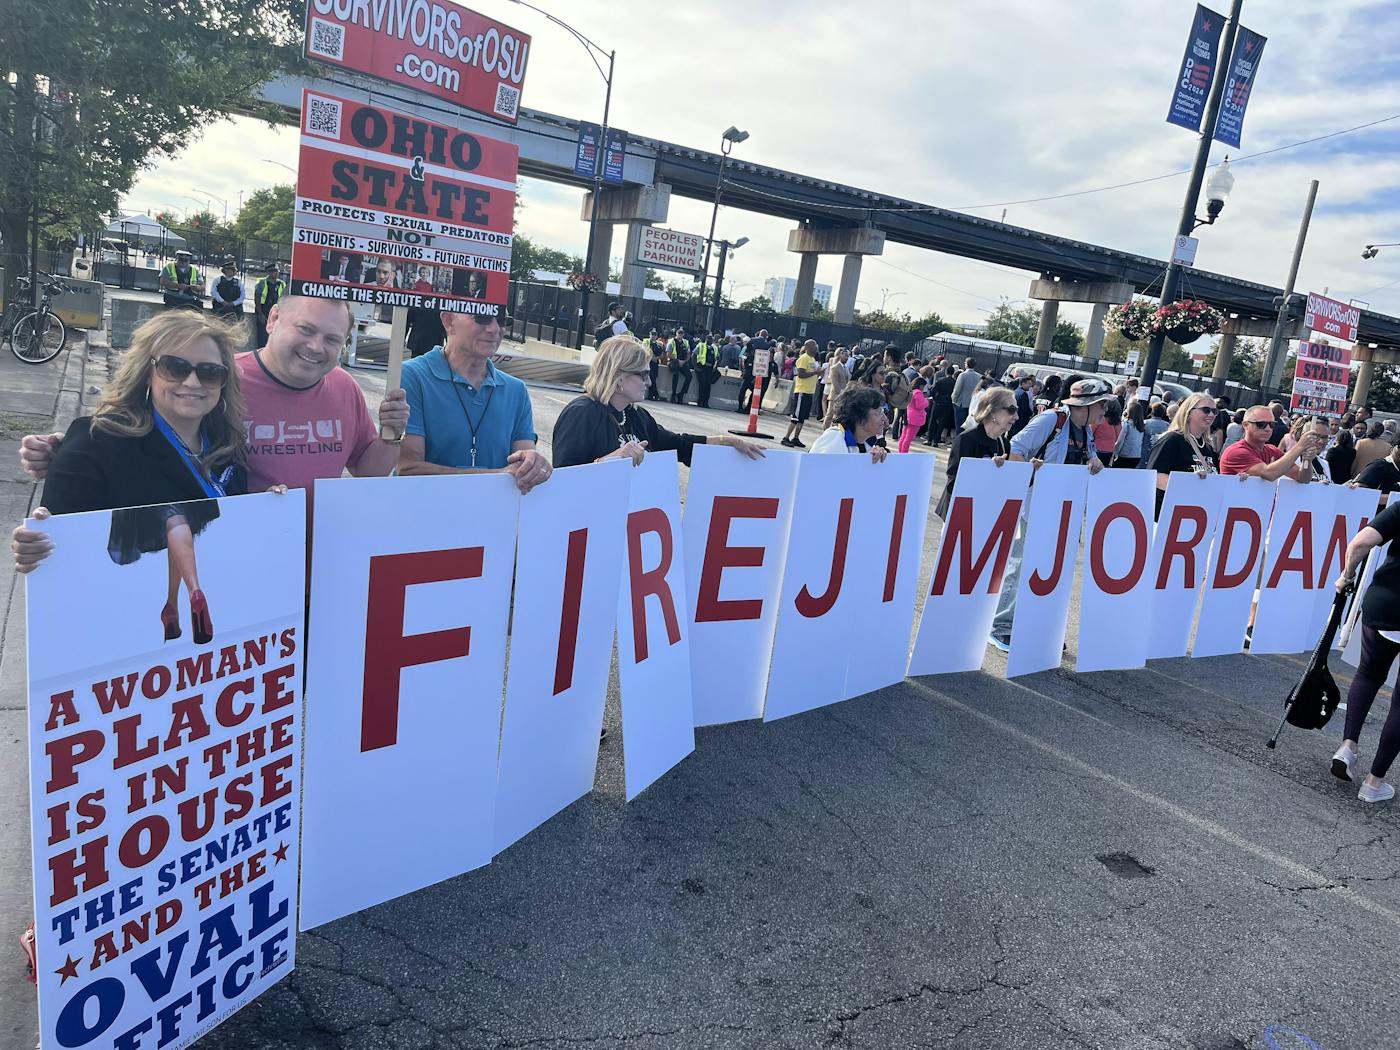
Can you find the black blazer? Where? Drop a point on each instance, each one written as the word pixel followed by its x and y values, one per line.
pixel 98 471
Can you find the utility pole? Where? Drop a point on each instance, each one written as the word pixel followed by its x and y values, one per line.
pixel 1171 280
pixel 1273 360
pixel 593 212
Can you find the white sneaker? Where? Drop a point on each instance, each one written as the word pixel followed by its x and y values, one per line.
pixel 1342 762
pixel 1382 792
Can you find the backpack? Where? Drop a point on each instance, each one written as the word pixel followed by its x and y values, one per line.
pixel 897 389
pixel 603 331
pixel 1061 418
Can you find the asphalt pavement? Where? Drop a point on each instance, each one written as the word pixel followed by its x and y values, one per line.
pixel 1101 860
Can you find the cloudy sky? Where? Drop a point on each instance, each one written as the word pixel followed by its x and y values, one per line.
pixel 973 108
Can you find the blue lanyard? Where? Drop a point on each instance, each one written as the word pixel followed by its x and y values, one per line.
pixel 213 487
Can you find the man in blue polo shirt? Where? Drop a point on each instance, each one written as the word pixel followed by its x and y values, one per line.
pixel 467 417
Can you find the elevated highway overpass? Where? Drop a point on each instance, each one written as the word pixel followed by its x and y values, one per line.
pixel 547 144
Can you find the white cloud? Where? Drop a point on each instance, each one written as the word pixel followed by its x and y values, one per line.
pixel 957 105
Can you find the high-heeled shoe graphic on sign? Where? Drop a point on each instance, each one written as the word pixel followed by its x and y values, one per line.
pixel 171 527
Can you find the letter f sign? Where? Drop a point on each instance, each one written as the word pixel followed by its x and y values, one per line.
pixel 388 650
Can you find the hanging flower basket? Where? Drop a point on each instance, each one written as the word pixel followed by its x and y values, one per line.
pixel 1186 320
pixel 1133 319
pixel 584 282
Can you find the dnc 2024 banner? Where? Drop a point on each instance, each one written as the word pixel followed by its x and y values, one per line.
pixel 460 643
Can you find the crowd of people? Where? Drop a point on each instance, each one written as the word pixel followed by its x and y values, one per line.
pixel 187 418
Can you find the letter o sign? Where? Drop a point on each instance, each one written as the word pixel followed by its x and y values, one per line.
pixel 1133 517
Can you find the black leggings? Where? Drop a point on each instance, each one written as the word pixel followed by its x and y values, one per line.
pixel 1377 655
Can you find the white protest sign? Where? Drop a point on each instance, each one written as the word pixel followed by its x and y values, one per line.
pixel 737 513
pixel 1288 590
pixel 410 596
pixel 165 774
pixel 1353 510
pixel 1180 552
pixel 892 529
pixel 1235 555
pixel 978 535
pixel 653 643
pixel 851 559
pixel 1046 582
pixel 572 535
pixel 1115 594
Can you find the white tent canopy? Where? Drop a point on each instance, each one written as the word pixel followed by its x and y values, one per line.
pixel 142 230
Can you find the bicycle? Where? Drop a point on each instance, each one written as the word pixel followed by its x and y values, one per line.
pixel 38 335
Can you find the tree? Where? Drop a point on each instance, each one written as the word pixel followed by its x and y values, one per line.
pixel 1068 338
pixel 93 92
pixel 268 214
pixel 930 324
pixel 688 292
pixel 653 280
pixel 758 302
pixel 1246 363
pixel 168 219
pixel 1174 356
pixel 1384 394
pixel 1006 324
pixel 819 312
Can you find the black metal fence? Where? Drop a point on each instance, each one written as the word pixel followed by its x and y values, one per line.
pixel 551 314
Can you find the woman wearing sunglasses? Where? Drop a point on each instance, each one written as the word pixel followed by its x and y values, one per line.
pixel 607 422
pixel 1186 444
pixel 167 434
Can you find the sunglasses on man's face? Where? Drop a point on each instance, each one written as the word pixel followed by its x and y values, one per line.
pixel 485 319
pixel 1262 424
pixel 177 370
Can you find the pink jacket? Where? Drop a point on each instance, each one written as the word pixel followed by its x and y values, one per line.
pixel 917 408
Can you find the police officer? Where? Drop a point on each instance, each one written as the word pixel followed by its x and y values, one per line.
pixel 265 296
pixel 227 293
pixel 181 283
pixel 705 355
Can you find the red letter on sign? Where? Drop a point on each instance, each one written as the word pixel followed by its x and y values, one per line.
pixel 653 581
pixel 1336 548
pixel 958 537
pixel 1176 547
pixel 811 607
pixel 1235 516
pixel 387 650
pixel 568 617
pixel 1300 532
pixel 720 556
pixel 1125 583
pixel 1042 585
pixel 896 540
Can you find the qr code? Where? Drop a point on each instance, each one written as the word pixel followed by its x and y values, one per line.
pixel 507 101
pixel 323 117
pixel 327 40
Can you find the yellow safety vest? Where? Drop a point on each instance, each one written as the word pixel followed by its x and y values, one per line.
pixel 194 273
pixel 263 287
pixel 702 353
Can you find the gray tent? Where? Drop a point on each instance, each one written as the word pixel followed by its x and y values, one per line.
pixel 142 231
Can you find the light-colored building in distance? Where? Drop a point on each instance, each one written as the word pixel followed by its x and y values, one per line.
pixel 780 290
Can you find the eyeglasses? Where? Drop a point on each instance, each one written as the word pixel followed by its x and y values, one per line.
pixel 1262 424
pixel 485 319
pixel 177 370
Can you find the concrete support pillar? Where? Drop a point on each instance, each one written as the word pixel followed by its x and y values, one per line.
pixel 1049 315
pixel 806 285
pixel 1223 355
pixel 634 274
pixel 1093 337
pixel 846 293
pixel 1363 382
pixel 602 251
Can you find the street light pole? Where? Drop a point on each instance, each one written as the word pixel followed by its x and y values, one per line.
pixel 731 138
pixel 1171 280
pixel 593 212
pixel 1273 360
